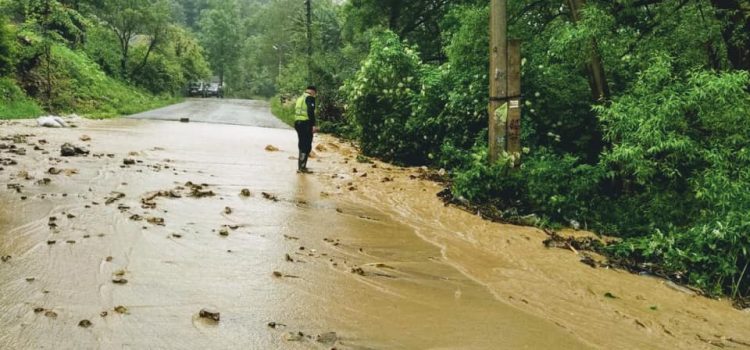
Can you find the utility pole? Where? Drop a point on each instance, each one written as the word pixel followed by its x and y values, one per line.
pixel 498 77
pixel 505 86
pixel 308 6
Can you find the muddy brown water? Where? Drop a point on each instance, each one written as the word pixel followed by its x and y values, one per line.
pixel 382 263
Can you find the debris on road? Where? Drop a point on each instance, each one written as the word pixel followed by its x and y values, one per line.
pixel 69 150
pixel 155 221
pixel 84 324
pixel 51 122
pixel 198 191
pixel 272 148
pixel 270 197
pixel 294 336
pixel 328 338
pixel 113 197
pixel 209 314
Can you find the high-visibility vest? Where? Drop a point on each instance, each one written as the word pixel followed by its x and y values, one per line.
pixel 300 109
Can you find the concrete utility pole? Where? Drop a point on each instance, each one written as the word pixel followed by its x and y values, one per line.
pixel 308 7
pixel 505 86
pixel 498 76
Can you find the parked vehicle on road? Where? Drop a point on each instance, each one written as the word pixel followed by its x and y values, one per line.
pixel 196 89
pixel 213 90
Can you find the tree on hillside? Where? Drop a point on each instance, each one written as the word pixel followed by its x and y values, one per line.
pixel 7 48
pixel 133 19
pixel 220 34
pixel 419 21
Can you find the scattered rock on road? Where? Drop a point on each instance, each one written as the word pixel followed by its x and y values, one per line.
pixel 270 197
pixel 272 148
pixel 155 221
pixel 294 336
pixel 210 314
pixel 69 150
pixel 84 324
pixel 328 338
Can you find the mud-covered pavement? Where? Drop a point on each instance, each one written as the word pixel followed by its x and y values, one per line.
pixel 124 247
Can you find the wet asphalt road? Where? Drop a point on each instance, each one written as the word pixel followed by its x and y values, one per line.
pixel 222 111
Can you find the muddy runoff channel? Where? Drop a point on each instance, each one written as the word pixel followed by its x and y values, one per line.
pixel 170 235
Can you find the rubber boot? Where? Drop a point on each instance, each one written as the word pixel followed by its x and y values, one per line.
pixel 300 162
pixel 305 156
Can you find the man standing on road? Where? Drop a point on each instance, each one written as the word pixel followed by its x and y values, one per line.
pixel 304 123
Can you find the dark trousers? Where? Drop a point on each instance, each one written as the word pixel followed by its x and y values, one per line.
pixel 304 135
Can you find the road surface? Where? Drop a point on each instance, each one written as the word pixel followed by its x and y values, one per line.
pixel 214 110
pixel 124 247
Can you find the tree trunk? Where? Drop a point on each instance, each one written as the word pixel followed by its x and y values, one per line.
pixel 735 14
pixel 595 67
pixel 394 15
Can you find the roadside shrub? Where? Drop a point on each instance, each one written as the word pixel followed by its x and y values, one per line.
pixel 7 48
pixel 691 155
pixel 15 104
pixel 381 100
pixel 554 187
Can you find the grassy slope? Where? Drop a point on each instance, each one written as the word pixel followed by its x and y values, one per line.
pixel 85 90
pixel 96 95
pixel 13 102
pixel 285 112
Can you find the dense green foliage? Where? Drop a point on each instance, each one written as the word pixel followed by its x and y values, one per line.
pixel 98 58
pixel 660 161
pixel 654 152
pixel 15 104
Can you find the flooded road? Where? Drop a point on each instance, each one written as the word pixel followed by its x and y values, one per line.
pixel 153 226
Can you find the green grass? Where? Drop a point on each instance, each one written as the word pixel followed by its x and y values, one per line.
pixel 285 112
pixel 91 93
pixel 14 104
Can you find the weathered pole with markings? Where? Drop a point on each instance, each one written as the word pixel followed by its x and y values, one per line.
pixel 505 87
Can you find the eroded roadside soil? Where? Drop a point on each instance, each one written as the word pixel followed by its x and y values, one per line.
pixel 125 246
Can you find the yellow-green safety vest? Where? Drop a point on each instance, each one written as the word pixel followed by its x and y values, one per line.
pixel 300 110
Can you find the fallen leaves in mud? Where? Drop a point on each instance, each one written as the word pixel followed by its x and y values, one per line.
pixel 198 191
pixel 327 338
pixel 15 187
pixel 270 197
pixel 56 171
pixel 555 240
pixel 113 197
pixel 155 221
pixel 278 274
pixel 148 201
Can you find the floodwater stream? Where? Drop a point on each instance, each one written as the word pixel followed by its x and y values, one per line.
pixel 365 251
